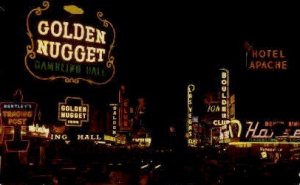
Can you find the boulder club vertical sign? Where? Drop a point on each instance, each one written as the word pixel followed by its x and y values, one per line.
pixel 70 43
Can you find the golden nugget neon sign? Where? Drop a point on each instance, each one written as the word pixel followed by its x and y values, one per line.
pixel 70 52
pixel 62 47
pixel 73 115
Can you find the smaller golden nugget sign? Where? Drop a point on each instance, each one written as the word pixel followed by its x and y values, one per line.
pixel 73 112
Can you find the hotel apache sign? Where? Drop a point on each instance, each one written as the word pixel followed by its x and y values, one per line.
pixel 15 117
pixel 73 112
pixel 265 59
pixel 70 43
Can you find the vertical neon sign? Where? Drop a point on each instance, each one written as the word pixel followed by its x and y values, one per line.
pixel 124 124
pixel 114 118
pixel 224 132
pixel 224 94
pixel 189 123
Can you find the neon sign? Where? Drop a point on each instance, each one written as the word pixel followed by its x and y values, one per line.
pixel 114 118
pixel 265 59
pixel 224 104
pixel 124 123
pixel 142 141
pixel 16 116
pixel 79 137
pixel 73 112
pixel 213 108
pixel 62 47
pixel 35 130
pixel 280 131
pixel 189 125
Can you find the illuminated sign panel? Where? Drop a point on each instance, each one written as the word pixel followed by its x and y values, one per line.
pixel 70 43
pixel 79 137
pixel 124 123
pixel 232 107
pixel 265 58
pixel 73 112
pixel 114 118
pixel 35 130
pixel 16 116
pixel 58 137
pixel 224 93
pixel 272 131
pixel 224 99
pixel 189 123
pixel 13 114
pixel 212 108
pixel 142 141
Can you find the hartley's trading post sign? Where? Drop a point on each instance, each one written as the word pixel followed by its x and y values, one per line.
pixel 15 117
pixel 70 43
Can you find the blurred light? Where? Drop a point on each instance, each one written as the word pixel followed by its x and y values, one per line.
pixel 144 166
pixel 157 166
pixel 99 142
pixel 69 168
pixel 264 155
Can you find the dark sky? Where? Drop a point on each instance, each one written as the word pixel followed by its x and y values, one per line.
pixel 162 47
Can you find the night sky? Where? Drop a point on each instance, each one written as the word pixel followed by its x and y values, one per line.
pixel 161 48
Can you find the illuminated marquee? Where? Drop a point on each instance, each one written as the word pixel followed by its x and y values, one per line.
pixel 265 59
pixel 66 43
pixel 73 112
pixel 16 116
pixel 189 125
